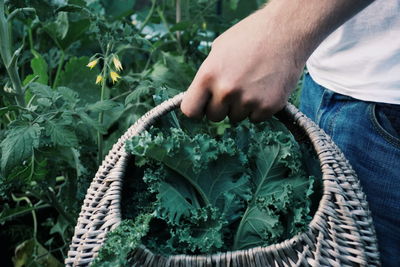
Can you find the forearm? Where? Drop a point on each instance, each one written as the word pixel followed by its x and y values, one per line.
pixel 303 25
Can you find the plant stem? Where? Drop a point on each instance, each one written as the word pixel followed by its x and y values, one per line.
pixel 149 15
pixel 9 60
pixel 164 21
pixel 23 212
pixel 19 10
pixel 178 18
pixel 59 68
pixel 121 95
pixel 27 200
pixel 30 38
pixel 101 114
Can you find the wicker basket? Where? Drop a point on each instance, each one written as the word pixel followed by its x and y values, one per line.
pixel 341 232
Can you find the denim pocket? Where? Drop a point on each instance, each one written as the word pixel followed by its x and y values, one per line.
pixel 386 123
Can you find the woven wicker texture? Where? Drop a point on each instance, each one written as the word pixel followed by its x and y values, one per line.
pixel 340 234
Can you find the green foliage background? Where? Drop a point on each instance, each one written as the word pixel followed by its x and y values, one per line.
pixel 56 123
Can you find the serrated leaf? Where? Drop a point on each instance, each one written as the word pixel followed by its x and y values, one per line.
pixel 70 95
pixel 44 102
pixel 81 79
pixel 86 119
pixel 166 71
pixel 104 105
pixel 18 145
pixel 177 197
pixel 203 233
pixel 144 88
pixel 41 90
pixel 61 135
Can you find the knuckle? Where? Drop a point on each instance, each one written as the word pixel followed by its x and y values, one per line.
pixel 206 75
pixel 248 102
pixel 226 90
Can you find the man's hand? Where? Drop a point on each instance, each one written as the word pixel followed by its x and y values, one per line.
pixel 253 66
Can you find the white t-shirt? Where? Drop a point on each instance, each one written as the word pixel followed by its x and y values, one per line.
pixel 361 58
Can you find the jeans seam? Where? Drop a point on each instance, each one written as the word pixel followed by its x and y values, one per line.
pixel 378 128
pixel 331 126
pixel 318 114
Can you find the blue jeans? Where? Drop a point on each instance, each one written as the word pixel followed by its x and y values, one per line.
pixel 369 135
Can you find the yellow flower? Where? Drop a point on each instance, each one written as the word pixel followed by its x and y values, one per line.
pixel 117 63
pixel 99 79
pixel 114 76
pixel 92 63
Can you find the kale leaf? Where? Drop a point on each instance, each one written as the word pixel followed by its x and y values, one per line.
pixel 241 187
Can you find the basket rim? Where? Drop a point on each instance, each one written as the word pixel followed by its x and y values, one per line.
pixel 321 143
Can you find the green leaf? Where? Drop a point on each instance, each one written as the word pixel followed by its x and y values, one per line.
pixel 4 110
pixel 31 251
pixel 204 232
pixel 76 32
pixel 69 8
pixel 81 79
pixel 29 78
pixel 40 69
pixel 119 8
pixel 18 145
pixel 144 88
pixel 60 134
pixel 60 227
pixel 8 214
pixel 42 91
pixel 122 241
pixel 280 188
pixel 168 68
pixel 196 160
pixel 44 102
pixel 104 105
pixel 86 119
pixel 22 177
pixel 69 95
pixel 58 29
pixel 233 4
pixel 177 197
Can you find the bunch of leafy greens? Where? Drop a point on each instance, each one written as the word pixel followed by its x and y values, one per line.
pixel 218 188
